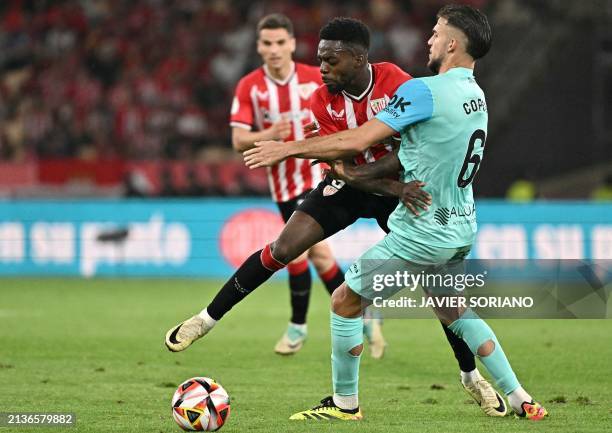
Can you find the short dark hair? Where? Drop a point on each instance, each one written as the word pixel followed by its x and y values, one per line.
pixel 473 23
pixel 275 21
pixel 347 30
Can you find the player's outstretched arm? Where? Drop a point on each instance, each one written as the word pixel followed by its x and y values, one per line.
pixel 243 139
pixel 329 147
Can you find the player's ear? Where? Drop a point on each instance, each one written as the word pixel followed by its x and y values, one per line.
pixel 360 60
pixel 292 44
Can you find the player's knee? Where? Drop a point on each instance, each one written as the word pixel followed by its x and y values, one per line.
pixel 486 348
pixel 345 303
pixel 356 351
pixel 283 252
pixel 336 300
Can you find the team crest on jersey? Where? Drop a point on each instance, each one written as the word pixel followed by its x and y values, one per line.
pixel 329 190
pixel 378 104
pixel 306 89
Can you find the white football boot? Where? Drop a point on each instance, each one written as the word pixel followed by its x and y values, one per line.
pixel 489 400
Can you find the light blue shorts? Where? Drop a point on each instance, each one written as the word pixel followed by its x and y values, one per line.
pixel 384 269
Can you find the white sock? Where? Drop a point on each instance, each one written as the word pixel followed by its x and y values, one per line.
pixel 346 402
pixel 209 321
pixel 300 327
pixel 469 377
pixel 517 397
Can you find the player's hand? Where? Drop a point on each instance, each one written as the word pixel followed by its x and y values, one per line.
pixel 342 170
pixel 281 129
pixel 265 154
pixel 414 197
pixel 311 129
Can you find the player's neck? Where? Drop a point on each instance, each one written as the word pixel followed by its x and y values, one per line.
pixel 457 63
pixel 360 83
pixel 282 73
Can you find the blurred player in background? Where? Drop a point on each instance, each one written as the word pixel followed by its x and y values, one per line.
pixel 354 92
pixel 443 125
pixel 272 103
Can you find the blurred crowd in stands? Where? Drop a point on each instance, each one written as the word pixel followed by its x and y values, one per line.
pixel 153 79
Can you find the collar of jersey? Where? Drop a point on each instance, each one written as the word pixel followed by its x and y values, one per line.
pixel 367 90
pixel 461 71
pixel 280 82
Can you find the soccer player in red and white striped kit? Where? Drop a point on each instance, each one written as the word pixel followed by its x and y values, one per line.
pixel 273 103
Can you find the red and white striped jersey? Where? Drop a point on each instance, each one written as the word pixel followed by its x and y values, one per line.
pixel 341 111
pixel 260 101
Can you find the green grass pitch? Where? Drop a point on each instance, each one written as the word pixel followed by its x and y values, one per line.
pixel 95 347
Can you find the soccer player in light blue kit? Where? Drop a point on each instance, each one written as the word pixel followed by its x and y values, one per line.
pixel 443 123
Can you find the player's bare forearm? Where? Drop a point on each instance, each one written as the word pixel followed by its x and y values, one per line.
pixel 334 146
pixel 388 165
pixel 243 139
pixel 343 144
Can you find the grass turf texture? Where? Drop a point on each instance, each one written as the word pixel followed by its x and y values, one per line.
pixel 95 347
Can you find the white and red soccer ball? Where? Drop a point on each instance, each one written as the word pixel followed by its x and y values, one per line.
pixel 200 404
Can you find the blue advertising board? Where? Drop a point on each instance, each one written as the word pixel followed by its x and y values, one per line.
pixel 209 237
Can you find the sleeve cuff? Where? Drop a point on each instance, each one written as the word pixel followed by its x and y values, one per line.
pixel 241 125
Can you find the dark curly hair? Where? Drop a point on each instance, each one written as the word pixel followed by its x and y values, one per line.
pixel 349 30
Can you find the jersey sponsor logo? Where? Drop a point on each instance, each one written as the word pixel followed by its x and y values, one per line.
pixel 301 115
pixel 441 216
pixel 306 89
pixel 378 104
pixel 399 103
pixel 235 106
pixel 444 215
pixel 389 110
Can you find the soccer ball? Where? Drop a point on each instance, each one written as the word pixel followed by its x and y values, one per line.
pixel 200 404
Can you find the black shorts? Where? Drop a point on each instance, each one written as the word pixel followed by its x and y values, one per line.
pixel 337 208
pixel 286 208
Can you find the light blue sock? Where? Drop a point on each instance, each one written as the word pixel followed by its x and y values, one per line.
pixel 475 332
pixel 345 335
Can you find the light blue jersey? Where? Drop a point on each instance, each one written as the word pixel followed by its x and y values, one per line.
pixel 443 124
